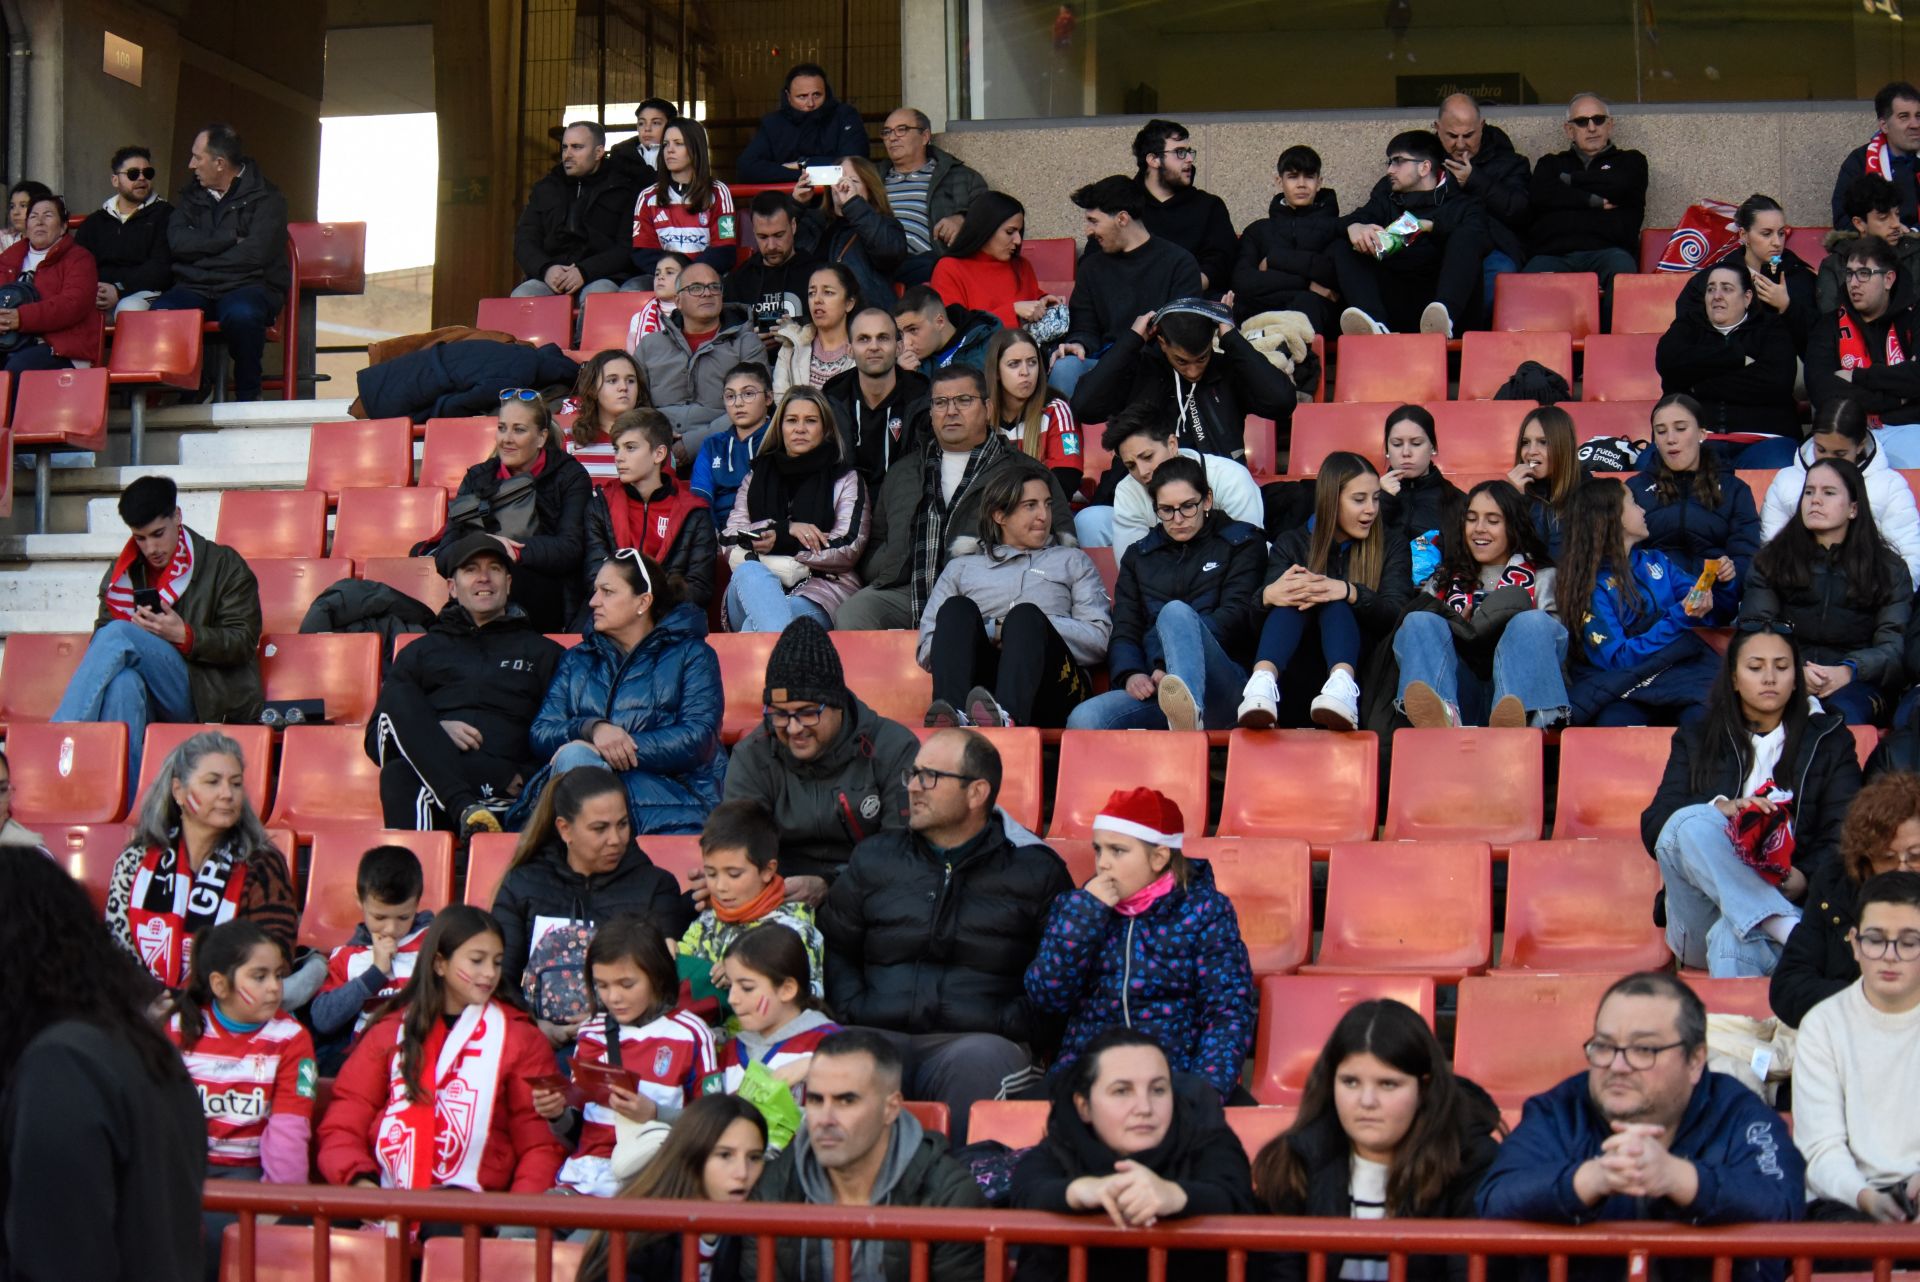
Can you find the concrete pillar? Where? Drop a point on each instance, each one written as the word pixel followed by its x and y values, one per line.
pixel 924 69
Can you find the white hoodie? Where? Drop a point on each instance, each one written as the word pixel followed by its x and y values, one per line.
pixel 1888 495
pixel 1234 492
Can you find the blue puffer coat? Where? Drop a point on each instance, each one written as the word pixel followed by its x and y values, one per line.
pixel 666 693
pixel 1689 531
pixel 1178 972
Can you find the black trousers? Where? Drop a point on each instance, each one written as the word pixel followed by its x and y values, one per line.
pixel 1394 290
pixel 1031 672
pixel 426 782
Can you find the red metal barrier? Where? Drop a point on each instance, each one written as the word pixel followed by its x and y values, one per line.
pixel 998 1231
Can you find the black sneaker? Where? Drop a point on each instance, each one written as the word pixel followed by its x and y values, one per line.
pixel 478 817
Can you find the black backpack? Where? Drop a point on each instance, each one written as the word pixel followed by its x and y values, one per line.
pixel 1534 382
pixel 12 295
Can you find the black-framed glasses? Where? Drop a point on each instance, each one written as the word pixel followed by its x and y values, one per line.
pixel 1167 512
pixel 136 173
pixel 633 555
pixel 1875 946
pixel 1588 122
pixel 808 716
pixel 941 404
pixel 1769 624
pixel 1181 153
pixel 901 131
pixel 1861 275
pixel 1394 162
pixel 701 288
pixel 1603 1054
pixel 518 394
pixel 926 778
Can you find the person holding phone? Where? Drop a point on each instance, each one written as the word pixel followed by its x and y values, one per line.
pixel 1784 286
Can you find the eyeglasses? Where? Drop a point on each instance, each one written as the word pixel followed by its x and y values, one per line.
pixel 1861 275
pixel 136 173
pixel 1875 946
pixel 926 778
pixel 1181 153
pixel 1588 122
pixel 1167 513
pixel 702 288
pixel 941 404
pixel 742 396
pixel 633 555
pixel 1602 1054
pixel 807 716
pixel 1394 162
pixel 901 131
pixel 1777 627
pixel 518 394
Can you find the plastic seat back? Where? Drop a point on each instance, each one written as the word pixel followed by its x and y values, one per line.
pixel 1570 908
pixel 284 1253
pixel 1392 367
pixel 74 772
pixel 1077 854
pixel 156 347
pixel 488 856
pixel 1054 260
pixel 386 522
pixel 341 668
pixel 1608 775
pixel 279 524
pixel 1298 1013
pixel 359 453
pixel 743 674
pixel 1630 419
pixel 679 855
pixel 417 576
pixel 1809 244
pixel 88 852
pixel 605 319
pixel 1270 881
pixel 1421 907
pixel 1470 784
pixel 882 669
pixel 1022 777
pixel 1731 995
pixel 289 585
pixel 332 907
pixel 1488 359
pixel 1257 1126
pixel 326 780
pixel 1109 567
pixel 537 320
pixel 1619 367
pixel 931 1114
pixel 1094 764
pixel 1017 1123
pixel 333 256
pixel 34 672
pixel 500 1261
pixel 1547 302
pixel 1865 740
pixel 1518 1035
pixel 1653 246
pixel 1643 302
pixel 61 407
pixel 1358 427
pixel 1262 446
pixel 1479 436
pixel 455 444
pixel 256 756
pixel 1322 788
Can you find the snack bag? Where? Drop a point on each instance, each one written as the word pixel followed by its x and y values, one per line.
pixel 1395 235
pixel 1700 595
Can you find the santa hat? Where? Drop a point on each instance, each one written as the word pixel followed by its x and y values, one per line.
pixel 1142 813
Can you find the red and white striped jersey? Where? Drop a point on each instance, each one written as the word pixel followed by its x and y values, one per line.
pixel 350 961
pixel 246 1078
pixel 669 1056
pixel 674 226
pixel 735 1057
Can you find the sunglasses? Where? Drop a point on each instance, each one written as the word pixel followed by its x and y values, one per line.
pixel 137 174
pixel 1587 122
pixel 633 555
pixel 1778 627
pixel 518 394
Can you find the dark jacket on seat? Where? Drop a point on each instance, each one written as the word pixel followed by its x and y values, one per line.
pixel 222 245
pixel 1296 246
pixel 454 380
pixel 586 222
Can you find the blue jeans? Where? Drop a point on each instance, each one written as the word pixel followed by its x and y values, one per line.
pixel 1069 370
pixel 1715 903
pixel 35 356
pixel 574 755
pixel 244 316
pixel 757 603
pixel 1093 526
pixel 1182 644
pixel 1527 663
pixel 1490 267
pixel 131 676
pixel 1286 627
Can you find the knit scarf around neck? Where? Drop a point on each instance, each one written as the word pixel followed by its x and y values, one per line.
pixel 785 488
pixel 760 906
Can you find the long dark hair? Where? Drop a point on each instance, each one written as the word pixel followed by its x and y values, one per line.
pixel 700 155
pixel 424 999
pixel 1563 456
pixel 1703 482
pixel 63 965
pixel 1367 561
pixel 1725 724
pixel 1592 540
pixel 1863 557
pixel 775 951
pixel 678 1171
pixel 1458 564
pixel 987 214
pixel 632 937
pixel 1428 1157
pixel 587 427
pixel 218 950
pixel 563 797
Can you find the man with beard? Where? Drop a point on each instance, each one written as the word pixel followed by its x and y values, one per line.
pixel 1195 220
pixel 772 285
pixel 127 237
pixel 1133 272
pixel 1426 281
pixel 1481 159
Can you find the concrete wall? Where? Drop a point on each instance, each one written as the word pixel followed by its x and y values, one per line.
pixel 1726 151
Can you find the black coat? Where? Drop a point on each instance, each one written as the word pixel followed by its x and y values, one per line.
pixel 585 222
pixel 1689 531
pixel 694 550
pixel 1501 183
pixel 778 292
pixel 1295 244
pixel 1889 392
pixel 1378 609
pixel 451 380
pixel 1824 775
pixel 1451 213
pixel 1111 290
pixel 1198 222
pixel 548 575
pixel 1238 381
pixel 1743 379
pixel 547 886
pixel 219 246
pixel 878 435
pixel 1218 572
pixel 1421 504
pixel 918 944
pixel 1817 961
pixel 1803 289
pixel 132 255
pixel 1830 627
pixel 1905 169
pixel 823 136
pixel 1566 196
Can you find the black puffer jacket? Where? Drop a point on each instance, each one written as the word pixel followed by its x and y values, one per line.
pixel 1421 504
pixel 1832 629
pixel 921 940
pixel 1500 181
pixel 1817 961
pixel 219 246
pixel 586 222
pixel 452 380
pixel 1238 381
pixel 132 255
pixel 1824 775
pixel 548 576
pixel 1218 572
pixel 1743 379
pixel 1296 246
pixel 1890 392
pixel 1802 292
pixel 548 886
pixel 1689 531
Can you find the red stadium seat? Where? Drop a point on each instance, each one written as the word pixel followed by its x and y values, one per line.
pixel 605 319
pixel 71 773
pixel 1570 907
pixel 1017 1123
pixel 360 453
pixel 256 754
pixel 153 349
pixel 278 524
pixel 1488 359
pixel 34 673
pixel 931 1114
pixel 88 852
pixel 417 576
pixel 1359 427
pixel 1865 740
pixel 1077 854
pixel 288 586
pixel 456 444
pixel 333 257
pixel 489 855
pixel 326 781
pixel 1630 419
pixel 1270 881
pixel 331 908
pixel 1022 777
pixel 1547 301
pixel 341 668
pixel 536 320
pixel 1518 1035
pixel 1478 436
pixel 1758 480
pixel 1416 907
pixel 1322 788
pixel 882 669
pixel 1472 784
pixel 1262 447
pixel 1607 777
pixel 60 408
pixel 1809 244
pixel 387 522
pixel 743 675
pixel 1298 1013
pixel 1258 1127
pixel 1053 260
pixel 1653 245
pixel 1109 567
pixel 1392 367
pixel 678 855
pixel 1619 367
pixel 284 1253
pixel 1643 302
pixel 500 1261
pixel 1094 764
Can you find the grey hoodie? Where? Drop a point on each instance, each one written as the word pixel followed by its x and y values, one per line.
pixel 903 1145
pixel 758 1044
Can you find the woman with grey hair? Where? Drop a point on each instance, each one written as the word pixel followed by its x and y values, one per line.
pixel 199 857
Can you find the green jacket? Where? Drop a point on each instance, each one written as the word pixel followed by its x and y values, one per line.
pixel 222 610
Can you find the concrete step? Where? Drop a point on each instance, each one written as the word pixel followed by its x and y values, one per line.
pixel 51 598
pixel 104 534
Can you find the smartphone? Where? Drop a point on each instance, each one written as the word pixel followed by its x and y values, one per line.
pixel 823 175
pixel 147 599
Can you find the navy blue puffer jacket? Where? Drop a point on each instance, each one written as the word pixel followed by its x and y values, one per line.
pixel 666 693
pixel 1689 531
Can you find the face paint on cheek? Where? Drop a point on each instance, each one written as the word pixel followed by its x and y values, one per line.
pixel 471 982
pixel 192 804
pixel 760 1011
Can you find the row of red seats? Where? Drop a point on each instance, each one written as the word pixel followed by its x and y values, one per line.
pixel 1413 367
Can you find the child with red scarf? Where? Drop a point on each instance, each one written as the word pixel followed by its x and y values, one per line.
pixel 647 508
pixel 740 870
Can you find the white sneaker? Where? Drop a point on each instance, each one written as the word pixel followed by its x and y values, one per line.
pixel 1260 702
pixel 1436 319
pixel 1426 709
pixel 1177 704
pixel 1355 321
pixel 1337 706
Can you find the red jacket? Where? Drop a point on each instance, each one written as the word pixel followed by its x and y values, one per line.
pixel 65 315
pixel 522 1153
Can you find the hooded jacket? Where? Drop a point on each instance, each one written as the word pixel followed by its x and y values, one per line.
pixel 1200 1153
pixel 1689 531
pixel 954 186
pixel 666 693
pixel 1794 273
pixel 1890 393
pixel 222 245
pixel 1219 572
pixel 918 1171
pixel 923 940
pixel 1888 495
pixel 1743 379
pixel 694 547
pixel 1198 222
pixel 1178 972
pixel 1615 650
pixel 1567 196
pixel 1824 775
pixel 65 316
pixel 1236 495
pixel 1830 628
pixel 877 435
pixel 1906 181
pixel 722 466
pixel 1297 247
pixel 1062 581
pixel 827 805
pixel 1211 414
pixel 1501 183
pixel 1110 290
pixel 969 346
pixel 1830 281
pixel 547 886
pixel 860 238
pixel 583 222
pixel 824 136
pixel 131 253
pixel 1749 1172
pixel 1451 213
pixel 686 385
pixel 221 608
pixel 546 578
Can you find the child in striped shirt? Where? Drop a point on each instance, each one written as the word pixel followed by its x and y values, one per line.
pixel 375 964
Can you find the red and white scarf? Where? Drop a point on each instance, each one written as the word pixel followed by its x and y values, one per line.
pixel 440 1139
pixel 170 905
pixel 1880 155
pixel 1464 596
pixel 172 583
pixel 1854 353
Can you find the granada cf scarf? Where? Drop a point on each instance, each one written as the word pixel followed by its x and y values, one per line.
pixel 1880 156
pixel 1464 596
pixel 1855 355
pixel 170 906
pixel 171 584
pixel 438 1140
